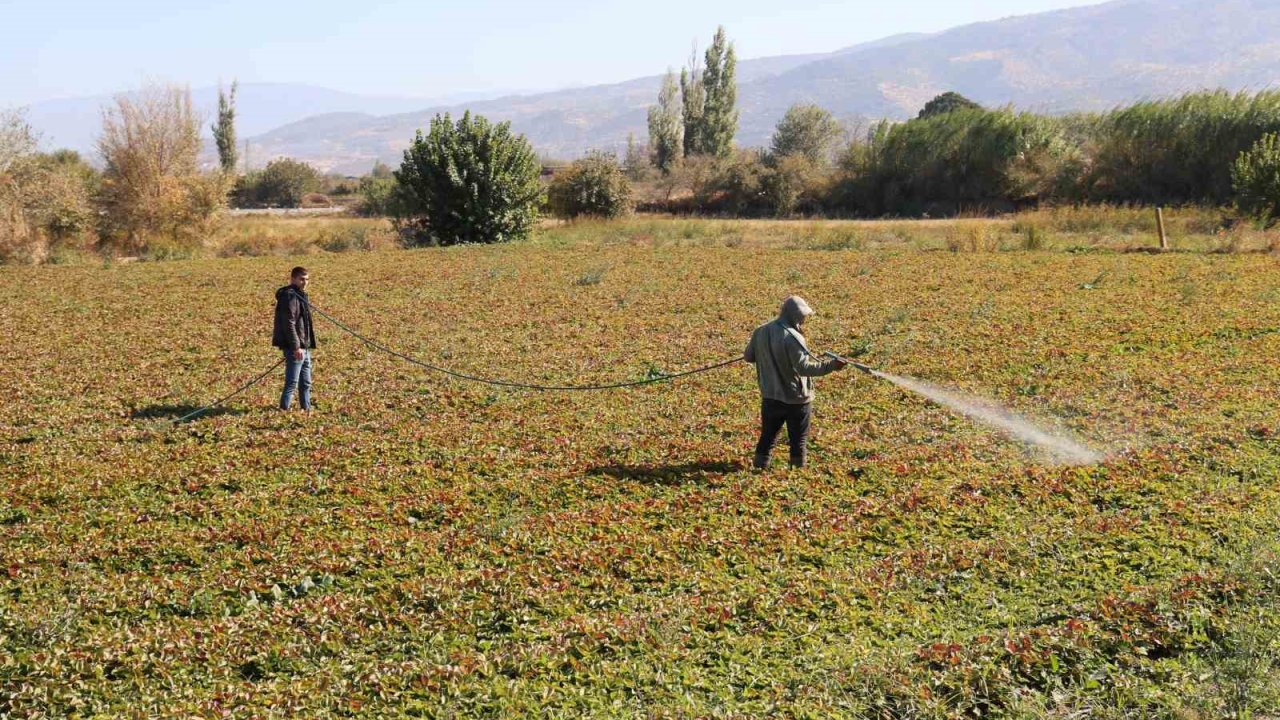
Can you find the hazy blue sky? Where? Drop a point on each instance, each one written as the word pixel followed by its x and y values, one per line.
pixel 64 48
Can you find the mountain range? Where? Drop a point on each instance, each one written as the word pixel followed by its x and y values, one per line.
pixel 1085 58
pixel 75 122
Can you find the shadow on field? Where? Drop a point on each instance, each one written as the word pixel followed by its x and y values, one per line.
pixel 666 474
pixel 173 412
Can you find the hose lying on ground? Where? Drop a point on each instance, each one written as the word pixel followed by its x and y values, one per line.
pixel 464 376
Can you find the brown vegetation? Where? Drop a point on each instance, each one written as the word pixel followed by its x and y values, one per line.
pixel 153 194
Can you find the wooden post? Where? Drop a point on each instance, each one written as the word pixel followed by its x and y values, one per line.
pixel 1164 239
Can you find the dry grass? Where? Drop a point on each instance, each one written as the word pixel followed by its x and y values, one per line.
pixel 300 235
pixel 1062 229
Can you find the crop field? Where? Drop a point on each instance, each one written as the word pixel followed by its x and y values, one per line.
pixel 423 546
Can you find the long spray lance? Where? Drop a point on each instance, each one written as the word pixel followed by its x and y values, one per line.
pixel 856 365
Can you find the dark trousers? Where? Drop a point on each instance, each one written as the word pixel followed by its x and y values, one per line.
pixel 773 415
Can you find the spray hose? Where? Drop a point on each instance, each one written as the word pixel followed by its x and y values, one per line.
pixel 496 382
pixel 655 378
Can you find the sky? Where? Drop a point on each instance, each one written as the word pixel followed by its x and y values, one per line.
pixel 425 48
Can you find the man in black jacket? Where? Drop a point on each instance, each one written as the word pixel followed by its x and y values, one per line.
pixel 295 335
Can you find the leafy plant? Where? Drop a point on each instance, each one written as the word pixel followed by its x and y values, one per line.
pixel 468 182
pixel 426 546
pixel 1256 180
pixel 284 182
pixel 593 186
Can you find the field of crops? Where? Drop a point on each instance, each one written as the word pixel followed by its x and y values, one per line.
pixel 421 546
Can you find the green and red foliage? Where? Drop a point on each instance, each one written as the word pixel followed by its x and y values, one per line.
pixel 425 547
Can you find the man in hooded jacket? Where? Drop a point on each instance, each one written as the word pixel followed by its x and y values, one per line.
pixel 785 370
pixel 295 335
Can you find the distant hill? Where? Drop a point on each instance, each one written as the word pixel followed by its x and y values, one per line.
pixel 1086 58
pixel 561 124
pixel 75 122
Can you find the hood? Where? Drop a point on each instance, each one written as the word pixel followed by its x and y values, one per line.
pixel 793 310
pixel 282 292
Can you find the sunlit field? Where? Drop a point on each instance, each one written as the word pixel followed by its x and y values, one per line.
pixel 424 546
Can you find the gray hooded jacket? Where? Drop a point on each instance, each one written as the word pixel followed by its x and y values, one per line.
pixel 784 365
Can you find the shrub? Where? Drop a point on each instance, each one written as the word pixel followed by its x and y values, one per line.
pixel 45 201
pixel 282 183
pixel 152 192
pixel 739 183
pixel 961 159
pixel 244 190
pixel 469 182
pixel 793 183
pixel 1180 150
pixel 378 196
pixel 1256 180
pixel 595 186
pixel 315 200
pixel 806 130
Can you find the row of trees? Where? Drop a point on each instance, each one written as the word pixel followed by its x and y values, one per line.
pixel 957 156
pixel 701 116
pixel 475 181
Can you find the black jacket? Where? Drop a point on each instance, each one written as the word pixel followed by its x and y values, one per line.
pixel 293 328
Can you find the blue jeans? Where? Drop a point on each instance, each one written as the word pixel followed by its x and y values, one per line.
pixel 297 376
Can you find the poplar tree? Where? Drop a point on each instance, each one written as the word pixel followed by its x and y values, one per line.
pixel 224 130
pixel 720 113
pixel 666 134
pixel 634 163
pixel 693 98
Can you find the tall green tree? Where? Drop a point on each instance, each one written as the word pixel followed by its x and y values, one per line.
pixel 469 182
pixel 666 129
pixel 720 113
pixel 693 101
pixel 224 129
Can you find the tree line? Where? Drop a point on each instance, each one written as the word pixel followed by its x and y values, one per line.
pixel 1212 147
pixel 470 180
